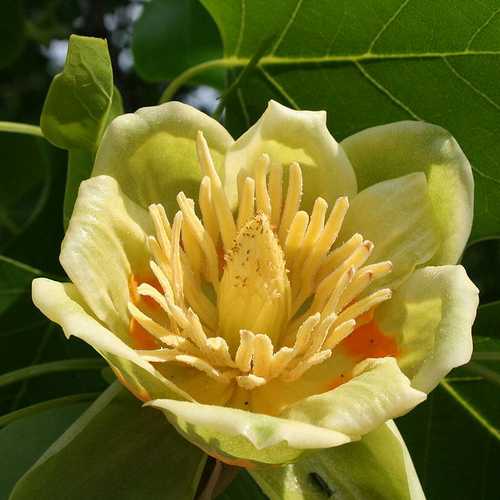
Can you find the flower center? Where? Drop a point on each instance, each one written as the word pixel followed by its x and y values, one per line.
pixel 284 295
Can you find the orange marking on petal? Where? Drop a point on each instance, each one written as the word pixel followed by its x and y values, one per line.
pixel 338 381
pixel 367 317
pixel 368 341
pixel 141 338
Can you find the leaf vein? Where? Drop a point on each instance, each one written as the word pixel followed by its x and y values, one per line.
pixel 469 84
pixel 481 28
pixel 287 26
pixel 242 27
pixel 279 88
pixel 386 91
pixel 387 24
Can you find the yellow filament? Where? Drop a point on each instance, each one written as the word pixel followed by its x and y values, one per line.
pixel 210 266
pixel 262 196
pixel 247 202
pixel 292 203
pixel 207 210
pixel 221 205
pixel 276 193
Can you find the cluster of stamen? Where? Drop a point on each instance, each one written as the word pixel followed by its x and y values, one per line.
pixel 284 297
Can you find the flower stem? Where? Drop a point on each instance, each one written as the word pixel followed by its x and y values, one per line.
pixel 208 491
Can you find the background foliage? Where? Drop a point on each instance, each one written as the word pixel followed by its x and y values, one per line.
pixel 366 62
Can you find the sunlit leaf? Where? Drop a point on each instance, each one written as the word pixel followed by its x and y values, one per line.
pixel 373 62
pixel 79 101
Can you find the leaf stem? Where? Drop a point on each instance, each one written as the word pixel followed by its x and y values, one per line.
pixel 21 128
pixel 46 405
pixel 187 75
pixel 51 367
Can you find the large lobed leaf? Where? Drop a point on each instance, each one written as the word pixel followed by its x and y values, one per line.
pixel 372 62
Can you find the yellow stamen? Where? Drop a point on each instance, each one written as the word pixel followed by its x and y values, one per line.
pixel 232 289
pixel 247 202
pixel 276 193
pixel 221 205
pixel 261 193
pixel 292 203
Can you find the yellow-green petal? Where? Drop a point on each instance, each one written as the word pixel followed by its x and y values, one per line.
pixel 104 244
pixel 431 315
pixel 152 152
pixel 396 149
pixel 377 392
pixel 241 437
pixel 62 303
pixel 397 216
pixel 376 467
pixel 288 135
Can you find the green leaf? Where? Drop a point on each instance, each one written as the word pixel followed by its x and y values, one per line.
pixel 12 31
pixel 377 467
pixel 362 61
pixel 116 449
pixel 236 83
pixel 456 432
pixel 22 442
pixel 79 102
pixel 171 36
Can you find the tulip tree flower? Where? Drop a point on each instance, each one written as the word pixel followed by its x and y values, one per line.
pixel 274 294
